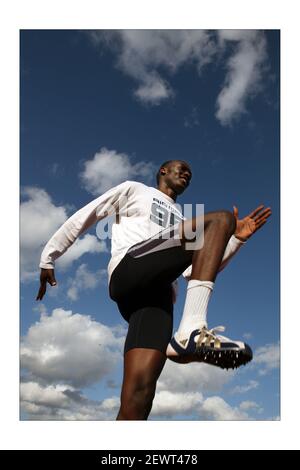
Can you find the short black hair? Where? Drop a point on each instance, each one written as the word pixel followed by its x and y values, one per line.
pixel 162 166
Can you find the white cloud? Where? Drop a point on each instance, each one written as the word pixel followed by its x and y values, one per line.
pixel 244 72
pixel 216 408
pixel 64 403
pixel 111 404
pixel 250 405
pixel 50 395
pixel 168 403
pixel 251 385
pixel 145 55
pixel 171 404
pixel 83 280
pixel 87 244
pixel 70 348
pixel 142 53
pixel 181 390
pixel 236 35
pixel 64 351
pixel 154 90
pixel 38 216
pixel 193 377
pixel 267 358
pixel 109 168
pixel 39 220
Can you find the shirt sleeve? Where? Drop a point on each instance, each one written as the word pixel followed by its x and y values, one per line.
pixel 103 206
pixel 232 248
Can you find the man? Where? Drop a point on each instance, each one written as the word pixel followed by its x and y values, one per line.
pixel 150 249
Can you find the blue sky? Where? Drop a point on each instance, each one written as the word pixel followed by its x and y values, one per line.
pixel 136 99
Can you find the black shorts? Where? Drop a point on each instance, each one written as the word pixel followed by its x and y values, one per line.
pixel 141 285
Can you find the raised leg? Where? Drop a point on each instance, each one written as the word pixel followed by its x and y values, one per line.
pixel 193 341
pixel 218 228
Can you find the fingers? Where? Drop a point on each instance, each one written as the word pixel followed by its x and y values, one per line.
pixel 256 211
pixel 52 280
pixel 46 276
pixel 260 224
pixel 264 214
pixel 260 221
pixel 259 217
pixel 41 292
pixel 50 277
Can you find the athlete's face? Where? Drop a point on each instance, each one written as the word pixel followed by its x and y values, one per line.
pixel 177 176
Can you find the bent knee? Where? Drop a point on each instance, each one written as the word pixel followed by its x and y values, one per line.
pixel 226 218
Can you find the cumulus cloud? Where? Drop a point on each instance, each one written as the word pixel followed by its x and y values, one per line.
pixel 267 358
pixel 87 244
pixel 216 408
pixel 66 351
pixel 109 168
pixel 63 403
pixel 171 405
pixel 84 280
pixel 193 377
pixel 244 72
pixel 148 55
pixel 181 390
pixel 52 396
pixel 168 404
pixel 39 220
pixel 70 349
pixel 61 353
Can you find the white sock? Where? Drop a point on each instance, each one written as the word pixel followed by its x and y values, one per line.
pixel 195 307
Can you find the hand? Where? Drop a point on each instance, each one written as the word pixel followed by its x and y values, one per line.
pixel 47 275
pixel 247 226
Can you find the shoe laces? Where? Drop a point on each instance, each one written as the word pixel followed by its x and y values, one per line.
pixel 207 336
pixel 216 328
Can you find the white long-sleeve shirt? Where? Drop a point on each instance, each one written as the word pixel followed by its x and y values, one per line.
pixel 141 212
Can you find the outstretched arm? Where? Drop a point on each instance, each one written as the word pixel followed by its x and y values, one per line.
pixel 78 223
